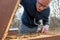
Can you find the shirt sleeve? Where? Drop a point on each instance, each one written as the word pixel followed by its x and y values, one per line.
pixel 46 16
pixel 46 21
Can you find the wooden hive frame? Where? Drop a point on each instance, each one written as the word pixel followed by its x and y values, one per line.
pixel 13 35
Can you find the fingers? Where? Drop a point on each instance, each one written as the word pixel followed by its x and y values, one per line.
pixel 44 29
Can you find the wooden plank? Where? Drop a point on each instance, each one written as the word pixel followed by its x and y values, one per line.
pixel 42 37
pixel 48 38
pixel 7 11
pixel 13 35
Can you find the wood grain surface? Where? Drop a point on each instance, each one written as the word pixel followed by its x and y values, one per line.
pixel 52 35
pixel 7 11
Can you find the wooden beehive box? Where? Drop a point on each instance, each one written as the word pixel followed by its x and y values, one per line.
pixel 7 12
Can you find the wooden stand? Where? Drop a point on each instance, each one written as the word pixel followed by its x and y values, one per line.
pixel 7 12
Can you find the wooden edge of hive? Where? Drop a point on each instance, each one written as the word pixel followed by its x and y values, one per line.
pixel 10 21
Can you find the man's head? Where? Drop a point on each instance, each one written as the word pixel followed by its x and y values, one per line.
pixel 42 4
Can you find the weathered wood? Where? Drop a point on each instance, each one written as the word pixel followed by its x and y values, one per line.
pixel 48 38
pixel 34 38
pixel 13 35
pixel 7 11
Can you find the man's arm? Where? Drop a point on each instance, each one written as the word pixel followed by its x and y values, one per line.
pixel 45 26
pixel 46 21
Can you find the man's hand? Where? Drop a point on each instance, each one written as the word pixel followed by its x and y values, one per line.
pixel 45 28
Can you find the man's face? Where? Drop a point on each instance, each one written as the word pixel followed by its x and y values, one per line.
pixel 41 5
